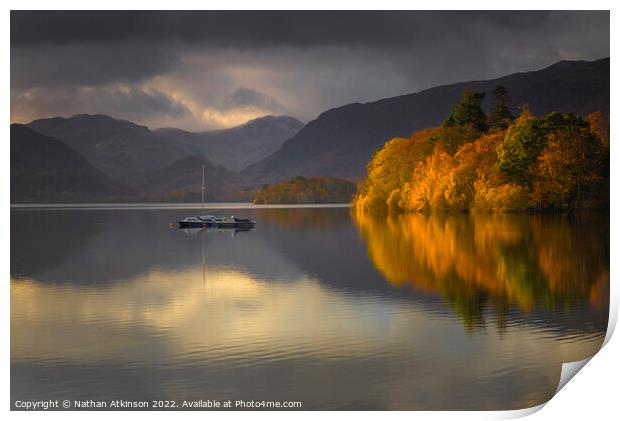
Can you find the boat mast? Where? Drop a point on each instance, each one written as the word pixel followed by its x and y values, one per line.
pixel 203 190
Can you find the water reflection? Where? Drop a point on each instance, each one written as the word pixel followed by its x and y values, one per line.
pixel 115 304
pixel 547 262
pixel 312 219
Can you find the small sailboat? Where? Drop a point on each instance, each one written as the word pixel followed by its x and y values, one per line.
pixel 207 221
pixel 203 220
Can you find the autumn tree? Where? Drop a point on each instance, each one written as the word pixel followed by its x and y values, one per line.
pixel 426 187
pixel 599 124
pixel 468 111
pixel 500 116
pixel 453 137
pixel 307 190
pixel 475 160
pixel 390 167
pixel 569 169
pixel 524 141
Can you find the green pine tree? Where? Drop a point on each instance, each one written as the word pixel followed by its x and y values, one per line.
pixel 500 116
pixel 468 112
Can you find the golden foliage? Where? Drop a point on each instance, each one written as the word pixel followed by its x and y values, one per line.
pixel 599 124
pixel 299 189
pixel 507 197
pixel 566 169
pixel 554 162
pixel 390 167
pixel 428 183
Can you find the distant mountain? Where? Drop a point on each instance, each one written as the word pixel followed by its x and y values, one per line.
pixel 154 167
pixel 240 146
pixel 124 151
pixel 341 141
pixel 44 169
pixel 183 179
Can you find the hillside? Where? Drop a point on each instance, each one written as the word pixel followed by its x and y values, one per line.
pixel 341 141
pixel 122 150
pixel 181 181
pixel 44 169
pixel 237 147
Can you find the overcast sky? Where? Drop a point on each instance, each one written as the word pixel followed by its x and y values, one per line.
pixel 205 70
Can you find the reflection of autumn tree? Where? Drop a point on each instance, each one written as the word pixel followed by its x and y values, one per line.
pixel 572 252
pixel 497 260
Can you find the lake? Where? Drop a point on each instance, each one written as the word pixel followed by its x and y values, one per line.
pixel 317 305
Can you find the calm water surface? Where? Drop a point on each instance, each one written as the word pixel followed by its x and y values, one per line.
pixel 315 305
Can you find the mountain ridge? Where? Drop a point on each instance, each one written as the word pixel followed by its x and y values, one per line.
pixel 237 147
pixel 56 173
pixel 124 151
pixel 341 140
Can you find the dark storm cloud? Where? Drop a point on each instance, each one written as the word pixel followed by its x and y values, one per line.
pixel 253 28
pixel 220 68
pixel 87 64
pixel 125 102
pixel 249 98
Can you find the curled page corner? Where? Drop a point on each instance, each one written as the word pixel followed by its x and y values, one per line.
pixel 613 312
pixel 520 413
pixel 569 370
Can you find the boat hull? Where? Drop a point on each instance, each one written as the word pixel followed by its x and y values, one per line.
pixel 192 224
pixel 195 224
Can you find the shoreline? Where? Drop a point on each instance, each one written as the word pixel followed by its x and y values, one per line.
pixel 142 206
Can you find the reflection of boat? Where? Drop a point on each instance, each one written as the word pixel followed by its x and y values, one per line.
pixel 231 230
pixel 242 228
pixel 192 231
pixel 207 221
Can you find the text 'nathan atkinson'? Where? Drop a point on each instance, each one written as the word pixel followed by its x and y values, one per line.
pixel 154 404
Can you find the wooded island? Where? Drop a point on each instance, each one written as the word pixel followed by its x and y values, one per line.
pixel 555 162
